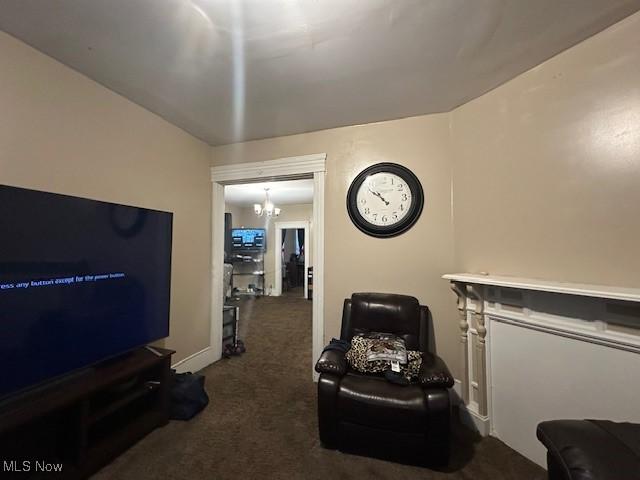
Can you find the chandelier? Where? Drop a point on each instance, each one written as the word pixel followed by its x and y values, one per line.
pixel 268 208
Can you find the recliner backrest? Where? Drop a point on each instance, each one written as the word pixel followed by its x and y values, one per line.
pixel 401 315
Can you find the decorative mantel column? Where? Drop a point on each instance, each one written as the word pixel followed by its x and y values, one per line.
pixel 458 289
pixel 477 293
pixel 473 334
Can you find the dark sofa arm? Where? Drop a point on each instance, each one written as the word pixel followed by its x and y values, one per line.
pixel 591 449
pixel 332 361
pixel 434 372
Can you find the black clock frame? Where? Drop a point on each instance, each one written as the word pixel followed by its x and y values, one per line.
pixel 381 231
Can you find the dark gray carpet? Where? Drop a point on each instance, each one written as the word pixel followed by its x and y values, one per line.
pixel 261 422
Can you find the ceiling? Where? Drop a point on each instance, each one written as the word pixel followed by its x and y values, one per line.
pixel 230 71
pixel 290 192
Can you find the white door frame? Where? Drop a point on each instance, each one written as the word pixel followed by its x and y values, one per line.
pixel 278 268
pixel 305 166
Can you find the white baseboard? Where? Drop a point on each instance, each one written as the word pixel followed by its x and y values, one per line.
pixel 468 417
pixel 475 421
pixel 196 362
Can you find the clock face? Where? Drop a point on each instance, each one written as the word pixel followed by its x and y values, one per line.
pixel 385 200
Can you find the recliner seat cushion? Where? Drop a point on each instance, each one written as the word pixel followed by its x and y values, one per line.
pixel 374 401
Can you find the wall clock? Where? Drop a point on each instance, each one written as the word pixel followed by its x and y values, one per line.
pixel 385 200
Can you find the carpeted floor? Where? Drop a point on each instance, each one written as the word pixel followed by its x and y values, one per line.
pixel 261 422
pixel 295 292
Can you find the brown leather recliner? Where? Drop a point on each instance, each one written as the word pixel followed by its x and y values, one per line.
pixel 367 414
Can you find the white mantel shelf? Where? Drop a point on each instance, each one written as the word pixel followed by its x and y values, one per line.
pixel 580 289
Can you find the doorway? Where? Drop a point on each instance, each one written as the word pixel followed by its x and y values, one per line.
pixel 294 259
pixel 307 166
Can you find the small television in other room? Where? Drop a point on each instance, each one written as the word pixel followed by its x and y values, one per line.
pixel 248 239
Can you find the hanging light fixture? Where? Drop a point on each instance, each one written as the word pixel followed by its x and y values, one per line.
pixel 268 209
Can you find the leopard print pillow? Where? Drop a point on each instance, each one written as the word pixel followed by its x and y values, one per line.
pixel 357 358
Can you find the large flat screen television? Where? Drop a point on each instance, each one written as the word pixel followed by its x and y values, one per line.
pixel 248 239
pixel 80 281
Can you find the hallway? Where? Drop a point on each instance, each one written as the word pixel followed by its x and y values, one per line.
pixel 261 422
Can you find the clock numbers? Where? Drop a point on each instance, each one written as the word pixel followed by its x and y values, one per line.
pixel 383 199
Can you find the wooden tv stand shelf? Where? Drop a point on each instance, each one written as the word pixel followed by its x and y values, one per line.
pixel 85 420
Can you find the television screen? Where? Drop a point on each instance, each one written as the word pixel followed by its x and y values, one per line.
pixel 80 281
pixel 248 239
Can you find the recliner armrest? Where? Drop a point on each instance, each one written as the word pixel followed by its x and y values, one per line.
pixel 332 361
pixel 434 372
pixel 591 449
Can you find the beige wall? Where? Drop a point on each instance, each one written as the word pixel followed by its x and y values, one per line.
pixel 411 263
pixel 540 178
pixel 62 132
pixel 547 167
pixel 236 211
pixel 245 217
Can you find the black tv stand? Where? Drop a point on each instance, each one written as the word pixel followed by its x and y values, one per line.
pixel 85 420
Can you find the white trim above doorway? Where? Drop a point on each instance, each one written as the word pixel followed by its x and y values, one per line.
pixel 305 166
pixel 278 267
pixel 279 169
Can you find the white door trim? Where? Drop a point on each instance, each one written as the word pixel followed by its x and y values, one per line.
pixel 279 169
pixel 217 269
pixel 308 249
pixel 317 248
